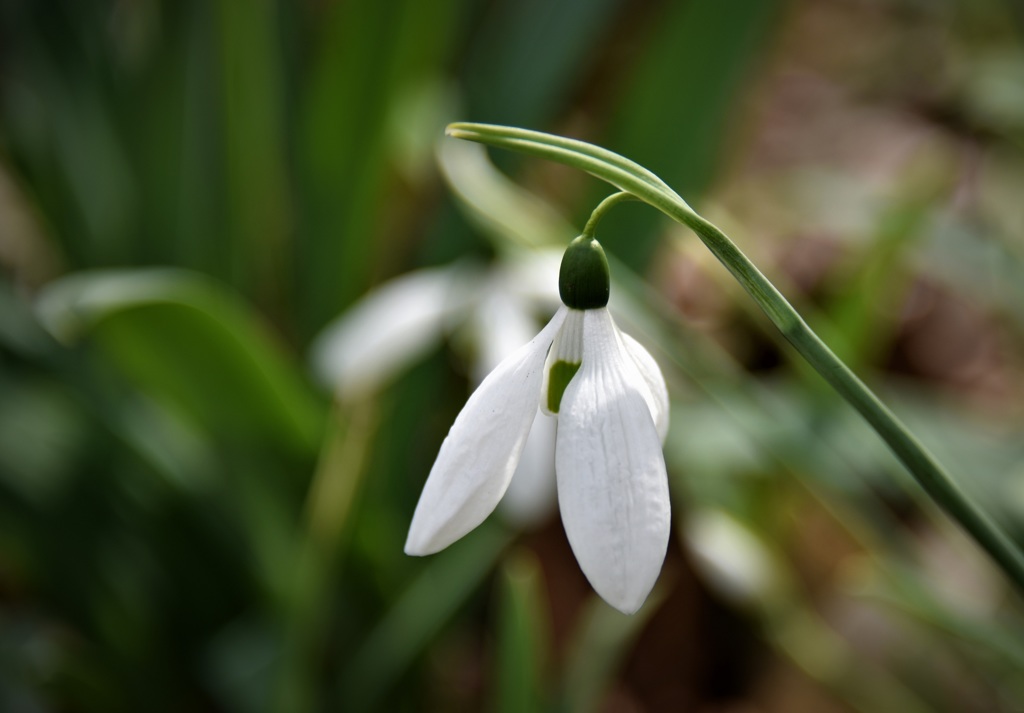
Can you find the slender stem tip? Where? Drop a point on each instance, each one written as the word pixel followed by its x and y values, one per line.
pixel 463 130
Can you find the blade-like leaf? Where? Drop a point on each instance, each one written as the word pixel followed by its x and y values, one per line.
pixel 521 641
pixel 190 344
pixel 418 614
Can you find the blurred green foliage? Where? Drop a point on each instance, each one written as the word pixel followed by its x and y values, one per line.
pixel 190 191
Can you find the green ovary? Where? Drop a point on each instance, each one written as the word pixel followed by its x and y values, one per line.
pixel 558 379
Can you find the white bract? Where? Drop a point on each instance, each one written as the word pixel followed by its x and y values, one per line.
pixel 612 408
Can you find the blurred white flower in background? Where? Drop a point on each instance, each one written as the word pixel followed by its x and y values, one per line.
pixel 402 320
pixel 729 556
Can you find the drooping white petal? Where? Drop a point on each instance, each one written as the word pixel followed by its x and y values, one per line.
pixel 612 483
pixel 657 398
pixel 503 324
pixel 530 497
pixel 482 449
pixel 388 329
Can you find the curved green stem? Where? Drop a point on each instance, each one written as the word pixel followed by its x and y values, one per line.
pixel 632 178
pixel 602 208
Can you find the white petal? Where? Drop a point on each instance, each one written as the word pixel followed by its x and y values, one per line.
pixel 657 398
pixel 612 483
pixel 530 497
pixel 503 324
pixel 388 329
pixel 480 453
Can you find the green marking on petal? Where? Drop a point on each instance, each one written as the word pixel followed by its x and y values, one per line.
pixel 558 379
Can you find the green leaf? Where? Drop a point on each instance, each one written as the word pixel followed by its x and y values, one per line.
pixel 522 624
pixel 673 93
pixel 190 344
pixel 599 645
pixel 368 54
pixel 527 57
pixel 419 613
pixel 254 141
pixel 680 100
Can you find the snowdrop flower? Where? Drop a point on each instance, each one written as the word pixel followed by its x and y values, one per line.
pixel 612 408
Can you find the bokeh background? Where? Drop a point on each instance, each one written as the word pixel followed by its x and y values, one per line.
pixel 206 477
